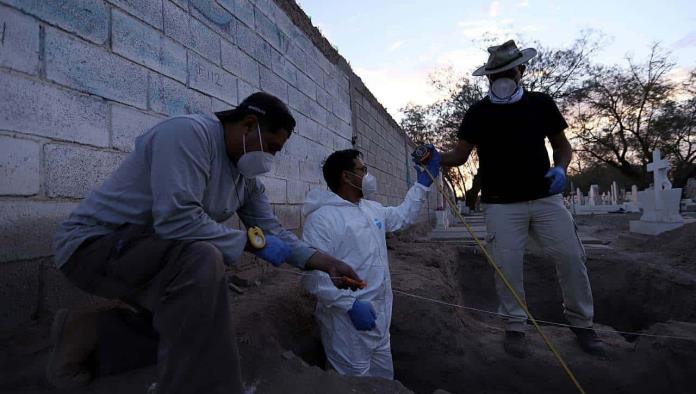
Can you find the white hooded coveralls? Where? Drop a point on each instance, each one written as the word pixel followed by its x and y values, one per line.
pixel 355 234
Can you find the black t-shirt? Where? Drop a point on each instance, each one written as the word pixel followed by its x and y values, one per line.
pixel 510 141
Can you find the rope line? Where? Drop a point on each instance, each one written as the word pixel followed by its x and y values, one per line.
pixel 551 323
pixel 504 315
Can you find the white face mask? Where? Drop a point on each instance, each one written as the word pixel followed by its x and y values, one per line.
pixel 257 162
pixel 368 186
pixel 504 87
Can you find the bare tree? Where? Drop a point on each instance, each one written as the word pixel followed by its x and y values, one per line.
pixel 558 72
pixel 623 113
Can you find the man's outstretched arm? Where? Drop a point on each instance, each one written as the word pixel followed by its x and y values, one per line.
pixel 457 156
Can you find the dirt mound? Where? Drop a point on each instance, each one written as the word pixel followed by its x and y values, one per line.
pixel 676 248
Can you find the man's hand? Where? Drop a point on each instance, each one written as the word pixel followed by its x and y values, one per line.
pixel 275 252
pixel 557 177
pixel 363 315
pixel 432 164
pixel 337 270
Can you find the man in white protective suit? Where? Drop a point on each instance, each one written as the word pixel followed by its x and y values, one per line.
pixel 346 224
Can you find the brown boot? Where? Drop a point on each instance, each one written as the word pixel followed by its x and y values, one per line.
pixel 74 337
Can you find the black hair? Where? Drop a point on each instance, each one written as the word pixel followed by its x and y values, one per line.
pixel 336 163
pixel 272 113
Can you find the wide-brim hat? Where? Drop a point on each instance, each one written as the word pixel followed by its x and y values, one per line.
pixel 504 57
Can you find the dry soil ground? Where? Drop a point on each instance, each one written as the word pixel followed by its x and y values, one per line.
pixel 642 284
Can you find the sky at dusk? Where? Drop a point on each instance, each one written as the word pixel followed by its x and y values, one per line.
pixel 395 45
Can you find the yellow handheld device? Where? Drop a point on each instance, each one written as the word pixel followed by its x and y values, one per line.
pixel 256 237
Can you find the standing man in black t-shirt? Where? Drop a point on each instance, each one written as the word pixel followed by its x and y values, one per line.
pixel 521 191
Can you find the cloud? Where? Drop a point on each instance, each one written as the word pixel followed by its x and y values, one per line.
pixel 523 3
pixel 396 45
pixel 493 28
pixel 688 40
pixel 494 9
pixel 462 60
pixel 395 87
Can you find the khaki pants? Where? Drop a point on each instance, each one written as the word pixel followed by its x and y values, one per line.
pixel 183 284
pixel 552 226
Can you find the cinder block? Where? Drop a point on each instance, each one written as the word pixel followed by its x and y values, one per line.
pixel 310 171
pixel 297 191
pixel 127 124
pixel 334 123
pixel 204 41
pixel 314 71
pixel 306 85
pixel 251 43
pixel 276 189
pixel 27 228
pixel 183 4
pixel 87 18
pixel 342 110
pixel 323 62
pixel 318 113
pixel 19 41
pixel 284 68
pixel 297 146
pixel 268 7
pixel 330 85
pixel 266 28
pixel 288 215
pixel 175 22
pixel 325 137
pixel 72 171
pixel 240 64
pixel 219 105
pixel 342 79
pixel 273 84
pixel 169 97
pixel 306 127
pixel 341 143
pixel 242 9
pixel 191 32
pixel 19 167
pixel 287 167
pixel 19 293
pixel 145 45
pixel 215 17
pixel 37 108
pixel 324 99
pixel 245 89
pixel 298 101
pixel 296 56
pixel 211 79
pixel 92 69
pixel 149 11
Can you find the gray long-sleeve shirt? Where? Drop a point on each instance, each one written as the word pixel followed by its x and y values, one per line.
pixel 180 181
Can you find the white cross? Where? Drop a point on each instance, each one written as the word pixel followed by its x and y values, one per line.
pixel 659 169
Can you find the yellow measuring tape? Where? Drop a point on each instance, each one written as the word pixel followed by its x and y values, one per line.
pixel 507 284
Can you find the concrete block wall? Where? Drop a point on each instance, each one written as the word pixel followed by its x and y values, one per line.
pixel 81 79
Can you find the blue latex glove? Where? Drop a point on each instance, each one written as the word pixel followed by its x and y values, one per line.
pixel 275 252
pixel 433 166
pixel 558 179
pixel 363 315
